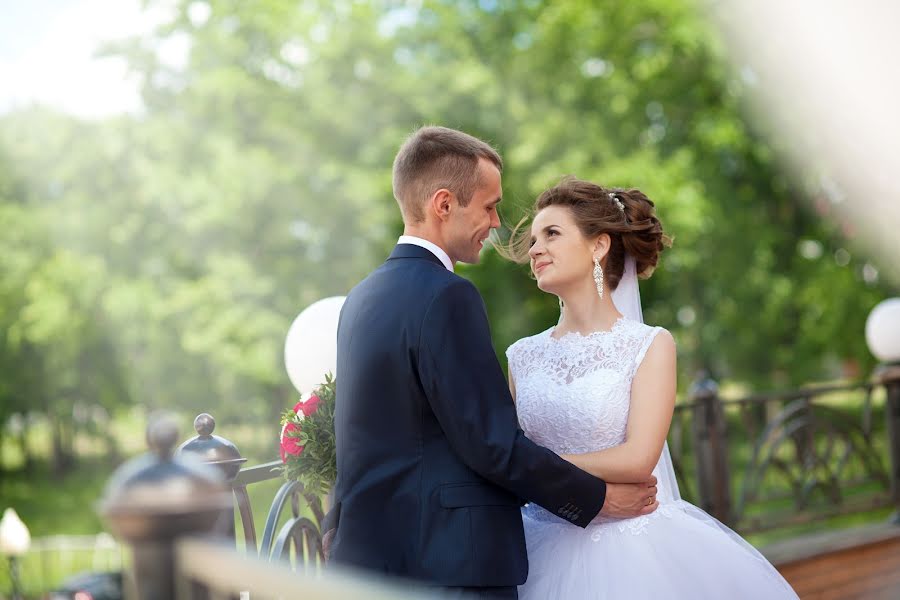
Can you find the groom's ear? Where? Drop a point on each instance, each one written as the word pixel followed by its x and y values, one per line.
pixel 441 203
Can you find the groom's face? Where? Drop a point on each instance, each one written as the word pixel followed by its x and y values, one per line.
pixel 469 226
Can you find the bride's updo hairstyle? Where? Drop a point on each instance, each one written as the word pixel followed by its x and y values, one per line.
pixel 628 216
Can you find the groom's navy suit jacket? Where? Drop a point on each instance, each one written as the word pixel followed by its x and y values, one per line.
pixel 432 466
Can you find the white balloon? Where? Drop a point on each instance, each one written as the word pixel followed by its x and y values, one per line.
pixel 310 349
pixel 883 331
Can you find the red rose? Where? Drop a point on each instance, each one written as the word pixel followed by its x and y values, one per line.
pixel 289 444
pixel 309 407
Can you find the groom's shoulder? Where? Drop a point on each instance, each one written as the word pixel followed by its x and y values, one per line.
pixel 451 288
pixel 419 279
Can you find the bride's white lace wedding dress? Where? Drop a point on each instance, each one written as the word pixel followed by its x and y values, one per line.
pixel 572 396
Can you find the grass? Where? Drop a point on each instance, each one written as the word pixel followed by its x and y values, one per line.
pixel 57 506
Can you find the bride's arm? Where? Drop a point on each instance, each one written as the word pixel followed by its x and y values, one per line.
pixel 512 388
pixel 649 417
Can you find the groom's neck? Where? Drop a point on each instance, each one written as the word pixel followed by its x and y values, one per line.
pixel 426 233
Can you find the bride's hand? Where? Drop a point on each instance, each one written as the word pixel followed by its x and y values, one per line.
pixel 624 500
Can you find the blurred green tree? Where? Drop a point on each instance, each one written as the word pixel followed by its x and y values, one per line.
pixel 165 254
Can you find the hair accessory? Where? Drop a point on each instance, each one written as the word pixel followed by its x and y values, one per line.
pixel 614 198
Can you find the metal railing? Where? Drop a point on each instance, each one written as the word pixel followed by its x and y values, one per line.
pixel 766 461
pixel 757 462
pixel 299 536
pixel 801 455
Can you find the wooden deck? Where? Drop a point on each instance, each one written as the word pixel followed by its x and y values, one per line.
pixel 858 564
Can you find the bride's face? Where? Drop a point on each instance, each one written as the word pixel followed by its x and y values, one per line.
pixel 560 254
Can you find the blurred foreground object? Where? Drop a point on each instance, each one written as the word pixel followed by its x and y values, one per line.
pixel 825 80
pixel 152 499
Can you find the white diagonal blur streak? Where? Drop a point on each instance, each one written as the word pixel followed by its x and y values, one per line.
pixel 828 84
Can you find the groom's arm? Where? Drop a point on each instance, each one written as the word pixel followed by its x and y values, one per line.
pixel 469 396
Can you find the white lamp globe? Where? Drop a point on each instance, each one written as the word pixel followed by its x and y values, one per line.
pixel 310 349
pixel 883 331
pixel 14 535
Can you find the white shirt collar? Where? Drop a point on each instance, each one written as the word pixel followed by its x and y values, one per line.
pixel 430 246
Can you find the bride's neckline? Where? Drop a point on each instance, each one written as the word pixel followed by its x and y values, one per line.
pixel 585 336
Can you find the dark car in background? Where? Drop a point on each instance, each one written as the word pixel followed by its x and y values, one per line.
pixel 91 586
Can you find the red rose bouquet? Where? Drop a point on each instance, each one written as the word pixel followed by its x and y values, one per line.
pixel 307 440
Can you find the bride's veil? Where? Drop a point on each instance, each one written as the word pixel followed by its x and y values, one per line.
pixel 627 298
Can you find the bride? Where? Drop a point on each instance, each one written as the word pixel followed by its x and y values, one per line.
pixel 599 389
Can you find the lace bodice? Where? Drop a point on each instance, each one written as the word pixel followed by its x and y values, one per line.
pixel 573 393
pixel 573 396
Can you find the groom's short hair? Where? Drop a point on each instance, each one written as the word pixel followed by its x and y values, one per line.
pixel 437 157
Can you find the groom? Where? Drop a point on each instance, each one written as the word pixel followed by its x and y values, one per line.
pixel 432 466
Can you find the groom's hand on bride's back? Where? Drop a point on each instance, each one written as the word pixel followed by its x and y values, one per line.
pixel 630 499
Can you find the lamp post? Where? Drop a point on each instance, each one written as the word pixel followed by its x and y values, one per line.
pixel 883 338
pixel 14 542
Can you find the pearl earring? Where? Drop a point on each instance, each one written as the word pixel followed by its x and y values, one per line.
pixel 598 277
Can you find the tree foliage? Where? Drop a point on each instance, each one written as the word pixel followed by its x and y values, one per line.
pixel 158 259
